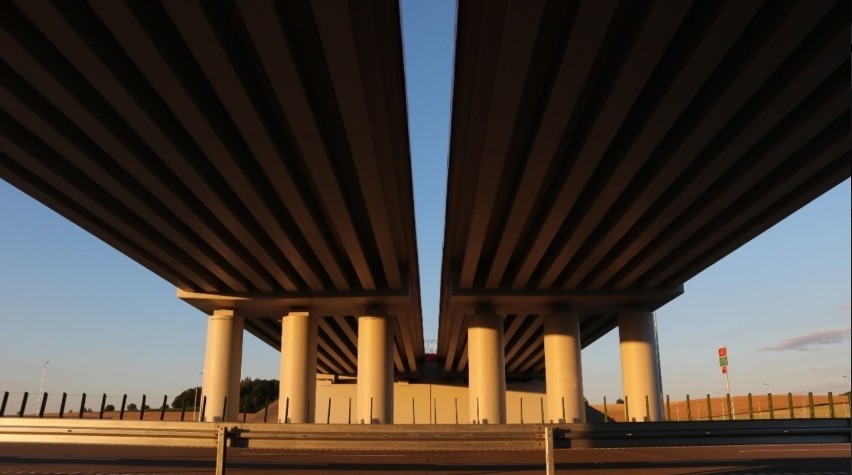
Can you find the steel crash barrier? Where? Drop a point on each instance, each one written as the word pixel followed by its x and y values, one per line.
pixel 411 438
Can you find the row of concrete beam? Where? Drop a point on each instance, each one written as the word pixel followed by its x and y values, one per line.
pixel 486 368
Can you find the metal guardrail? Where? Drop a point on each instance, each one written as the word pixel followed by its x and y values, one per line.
pixel 421 438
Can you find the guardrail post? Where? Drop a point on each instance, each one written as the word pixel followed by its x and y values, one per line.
pixel 103 405
pixel 142 408
pixel 43 403
pixel 62 405
pixel 830 405
pixel 23 404
pixel 790 405
pixel 221 445
pixel 3 404
pixel 550 467
pixel 163 407
pixel 123 404
pixel 82 406
pixel 688 409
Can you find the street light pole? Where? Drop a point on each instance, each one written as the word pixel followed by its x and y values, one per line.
pixel 41 386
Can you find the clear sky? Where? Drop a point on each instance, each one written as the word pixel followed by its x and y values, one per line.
pixel 781 303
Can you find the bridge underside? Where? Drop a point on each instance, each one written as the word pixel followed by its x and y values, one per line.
pixel 603 153
pixel 244 149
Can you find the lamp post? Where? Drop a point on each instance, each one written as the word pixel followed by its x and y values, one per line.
pixel 41 387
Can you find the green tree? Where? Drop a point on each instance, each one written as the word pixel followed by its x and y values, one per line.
pixel 109 408
pixel 132 407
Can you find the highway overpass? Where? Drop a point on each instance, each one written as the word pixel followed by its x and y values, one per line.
pixel 256 156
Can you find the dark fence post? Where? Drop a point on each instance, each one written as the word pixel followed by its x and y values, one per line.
pixel 3 404
pixel 522 409
pixel 811 404
pixel 730 407
pixel 287 410
pixel 688 409
pixel 123 404
pixel 142 409
pixel 626 410
pixel 43 403
pixel 647 408
pixel 540 400
pixel 245 407
pixel 790 405
pixel 328 414
pixel 62 405
pixel 82 406
pixel 709 409
pixel 830 405
pixel 457 409
pixel 434 410
pixel 349 417
pixel 750 408
pixel 203 407
pixel 225 408
pixel 103 405
pixel 183 409
pixel 265 409
pixel 413 414
pixel 668 408
pixel 771 408
pixel 163 408
pixel 23 404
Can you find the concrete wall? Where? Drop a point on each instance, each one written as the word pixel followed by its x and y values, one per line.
pixel 427 403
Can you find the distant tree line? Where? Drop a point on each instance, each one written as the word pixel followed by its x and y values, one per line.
pixel 254 395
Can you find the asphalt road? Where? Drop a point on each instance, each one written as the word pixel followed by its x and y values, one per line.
pixel 44 459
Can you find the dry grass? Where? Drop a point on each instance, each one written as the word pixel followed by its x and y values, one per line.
pixel 697 409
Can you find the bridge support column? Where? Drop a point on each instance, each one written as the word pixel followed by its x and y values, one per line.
pixel 375 370
pixel 563 369
pixel 222 361
pixel 486 369
pixel 640 366
pixel 298 387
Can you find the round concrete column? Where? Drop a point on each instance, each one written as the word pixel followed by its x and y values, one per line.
pixel 640 367
pixel 486 369
pixel 222 362
pixel 563 369
pixel 297 390
pixel 375 370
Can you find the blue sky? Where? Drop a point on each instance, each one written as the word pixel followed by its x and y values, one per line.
pixel 781 303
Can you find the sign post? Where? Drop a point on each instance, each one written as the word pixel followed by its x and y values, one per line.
pixel 723 363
